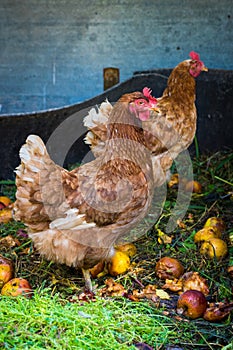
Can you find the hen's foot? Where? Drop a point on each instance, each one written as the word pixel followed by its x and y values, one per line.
pixel 87 278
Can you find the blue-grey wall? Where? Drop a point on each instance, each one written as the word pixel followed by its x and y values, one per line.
pixel 52 52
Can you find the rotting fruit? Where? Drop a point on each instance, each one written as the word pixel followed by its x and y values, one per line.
pixel 207 233
pixel 5 201
pixel 193 186
pixel 214 248
pixel 169 268
pixel 217 312
pixel 119 263
pixel 16 287
pixel 192 304
pixel 127 248
pixel 215 222
pixel 193 281
pixel 6 270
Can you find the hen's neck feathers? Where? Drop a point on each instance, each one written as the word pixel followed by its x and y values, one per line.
pixel 181 85
pixel 124 125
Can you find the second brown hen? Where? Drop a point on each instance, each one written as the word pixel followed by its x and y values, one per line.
pixel 172 127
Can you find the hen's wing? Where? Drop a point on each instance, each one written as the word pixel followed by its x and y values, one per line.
pixel 169 132
pixel 172 129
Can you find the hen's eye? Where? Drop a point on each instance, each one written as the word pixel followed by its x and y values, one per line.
pixel 140 102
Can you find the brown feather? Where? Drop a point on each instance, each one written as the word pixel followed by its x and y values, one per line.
pixel 174 127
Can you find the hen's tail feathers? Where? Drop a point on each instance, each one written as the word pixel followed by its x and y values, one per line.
pixel 97 116
pixel 96 122
pixel 34 158
pixel 39 195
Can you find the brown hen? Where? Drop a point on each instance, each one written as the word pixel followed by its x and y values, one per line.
pixel 75 217
pixel 171 128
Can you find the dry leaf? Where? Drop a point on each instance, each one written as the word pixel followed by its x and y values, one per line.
pixel 149 289
pixel 163 238
pixel 112 289
pixel 149 292
pixel 9 242
pixel 97 269
pixel 173 285
pixel 162 294
pixel 181 224
pixel 174 181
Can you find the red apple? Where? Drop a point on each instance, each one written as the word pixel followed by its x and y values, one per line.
pixel 17 286
pixel 192 303
pixel 6 270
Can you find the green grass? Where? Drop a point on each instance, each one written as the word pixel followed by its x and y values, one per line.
pixel 48 322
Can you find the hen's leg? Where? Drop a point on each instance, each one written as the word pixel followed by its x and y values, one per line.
pixel 87 277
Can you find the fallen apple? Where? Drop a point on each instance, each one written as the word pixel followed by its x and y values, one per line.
pixel 127 248
pixel 192 304
pixel 215 222
pixel 16 287
pixel 169 268
pixel 193 186
pixel 214 248
pixel 6 270
pixel 207 233
pixel 119 263
pixel 217 312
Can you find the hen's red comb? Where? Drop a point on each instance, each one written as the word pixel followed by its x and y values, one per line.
pixel 147 93
pixel 194 56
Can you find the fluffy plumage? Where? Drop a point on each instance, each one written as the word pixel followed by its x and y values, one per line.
pixel 75 217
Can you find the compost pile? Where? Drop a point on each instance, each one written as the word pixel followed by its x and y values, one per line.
pixel 208 269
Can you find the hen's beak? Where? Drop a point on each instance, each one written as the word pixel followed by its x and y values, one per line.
pixel 154 109
pixel 204 69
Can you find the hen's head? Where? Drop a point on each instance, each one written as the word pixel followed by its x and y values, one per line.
pixel 196 65
pixel 140 103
